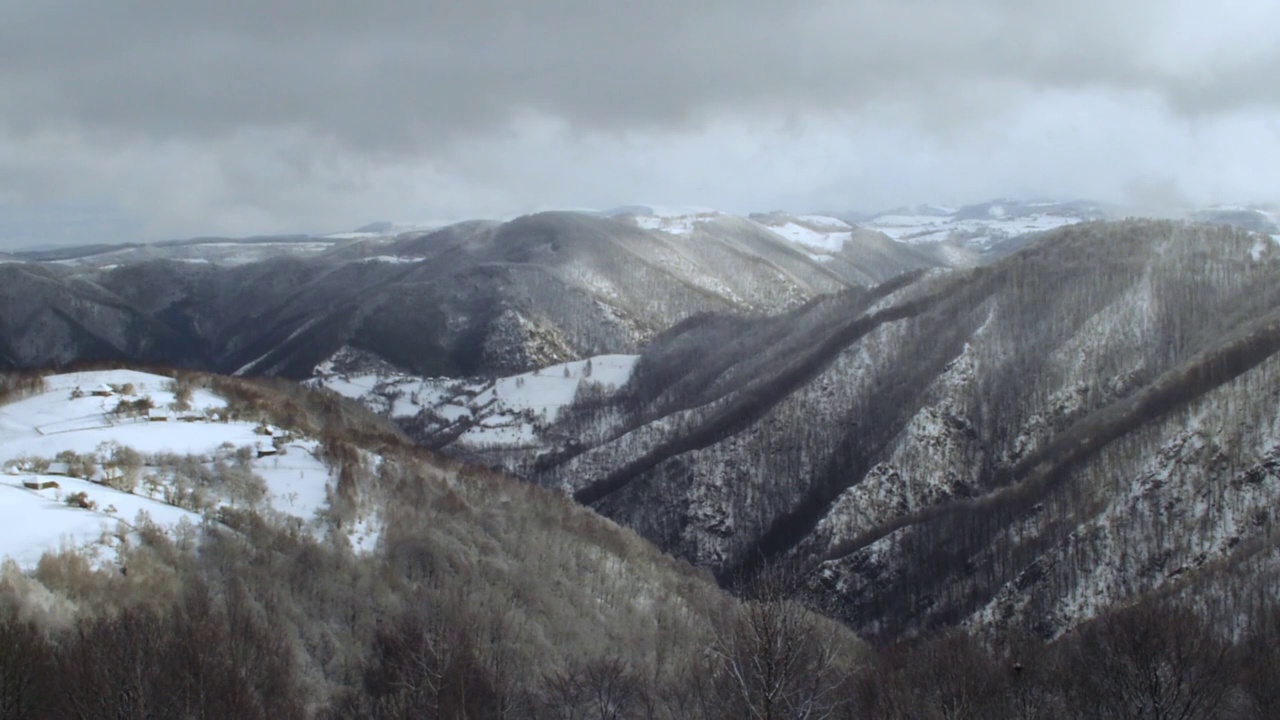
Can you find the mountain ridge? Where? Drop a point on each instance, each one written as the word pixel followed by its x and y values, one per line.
pixel 975 378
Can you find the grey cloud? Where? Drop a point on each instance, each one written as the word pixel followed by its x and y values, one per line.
pixel 241 116
pixel 390 75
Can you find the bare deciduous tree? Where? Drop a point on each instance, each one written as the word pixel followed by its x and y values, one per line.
pixel 1151 662
pixel 774 659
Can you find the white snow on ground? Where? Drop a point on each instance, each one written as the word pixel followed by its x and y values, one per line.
pixel 675 211
pixel 353 236
pixel 825 222
pixel 299 246
pixel 33 522
pixel 506 411
pixel 38 427
pixel 675 224
pixel 920 229
pixel 296 480
pixel 391 259
pixel 352 386
pixel 1259 248
pixel 801 235
pixel 545 392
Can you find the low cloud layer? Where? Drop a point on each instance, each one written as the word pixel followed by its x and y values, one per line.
pixel 240 117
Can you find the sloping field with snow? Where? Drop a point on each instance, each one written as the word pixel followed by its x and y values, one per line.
pixel 68 441
pixel 507 411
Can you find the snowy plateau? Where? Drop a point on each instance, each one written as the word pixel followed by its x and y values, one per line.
pixel 69 461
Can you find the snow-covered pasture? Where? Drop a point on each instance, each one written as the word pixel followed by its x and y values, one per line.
pixel 503 412
pixel 67 419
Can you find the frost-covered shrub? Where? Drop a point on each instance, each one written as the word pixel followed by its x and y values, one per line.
pixel 80 465
pixel 182 392
pixel 122 466
pixel 81 500
pixel 136 407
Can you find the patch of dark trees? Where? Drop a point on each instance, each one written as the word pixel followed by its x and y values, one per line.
pixel 215 656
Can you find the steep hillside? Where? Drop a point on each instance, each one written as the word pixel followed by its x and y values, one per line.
pixel 1090 419
pixel 50 316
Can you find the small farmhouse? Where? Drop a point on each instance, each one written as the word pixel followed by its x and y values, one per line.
pixel 158 415
pixel 36 483
pixel 103 391
pixel 60 469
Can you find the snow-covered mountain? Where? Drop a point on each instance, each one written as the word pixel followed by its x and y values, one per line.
pixel 473 298
pixel 1088 420
pixel 995 227
pixel 957 237
pixel 1013 415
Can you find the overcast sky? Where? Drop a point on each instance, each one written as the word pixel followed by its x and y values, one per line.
pixel 123 120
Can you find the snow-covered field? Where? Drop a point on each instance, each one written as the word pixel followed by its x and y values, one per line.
pixel 67 416
pixel 503 412
pixel 391 259
pixel 974 232
pixel 820 237
pixel 676 225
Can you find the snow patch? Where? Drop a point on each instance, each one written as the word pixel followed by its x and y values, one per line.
pixel 831 242
pixel 509 411
pixel 391 259
pixel 674 223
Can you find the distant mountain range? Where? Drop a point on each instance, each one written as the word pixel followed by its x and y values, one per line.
pixel 471 298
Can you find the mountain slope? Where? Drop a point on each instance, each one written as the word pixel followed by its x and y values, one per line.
pixel 472 298
pixel 316 525
pixel 938 450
